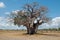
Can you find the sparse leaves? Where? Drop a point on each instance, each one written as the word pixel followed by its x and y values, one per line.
pixel 30 13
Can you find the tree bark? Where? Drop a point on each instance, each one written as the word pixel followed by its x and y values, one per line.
pixel 27 30
pixel 31 30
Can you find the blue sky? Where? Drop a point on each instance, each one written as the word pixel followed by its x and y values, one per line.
pixel 52 5
pixel 7 6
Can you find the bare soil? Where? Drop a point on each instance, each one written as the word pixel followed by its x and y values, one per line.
pixel 21 35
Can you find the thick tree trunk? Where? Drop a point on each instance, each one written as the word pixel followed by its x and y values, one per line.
pixel 31 30
pixel 27 30
pixel 35 30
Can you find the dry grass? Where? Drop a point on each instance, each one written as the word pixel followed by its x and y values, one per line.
pixel 21 35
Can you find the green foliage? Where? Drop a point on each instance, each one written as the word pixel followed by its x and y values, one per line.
pixel 23 18
pixel 58 28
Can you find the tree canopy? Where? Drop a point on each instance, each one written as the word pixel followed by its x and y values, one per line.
pixel 32 15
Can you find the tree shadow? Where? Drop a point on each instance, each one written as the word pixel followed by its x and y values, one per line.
pixel 55 35
pixel 44 34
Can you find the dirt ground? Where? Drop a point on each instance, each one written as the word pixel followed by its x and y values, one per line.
pixel 21 35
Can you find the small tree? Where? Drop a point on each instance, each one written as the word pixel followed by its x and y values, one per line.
pixel 31 16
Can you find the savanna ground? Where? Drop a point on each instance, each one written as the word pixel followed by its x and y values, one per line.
pixel 21 35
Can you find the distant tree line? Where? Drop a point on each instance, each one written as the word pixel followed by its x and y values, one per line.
pixel 52 29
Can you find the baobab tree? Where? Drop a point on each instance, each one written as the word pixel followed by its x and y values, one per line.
pixel 31 17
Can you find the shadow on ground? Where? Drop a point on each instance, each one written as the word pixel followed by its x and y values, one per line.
pixel 45 34
pixel 55 35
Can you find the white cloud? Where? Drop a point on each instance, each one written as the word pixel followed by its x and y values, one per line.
pixel 5 24
pixel 7 13
pixel 16 11
pixel 13 12
pixel 2 5
pixel 55 23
